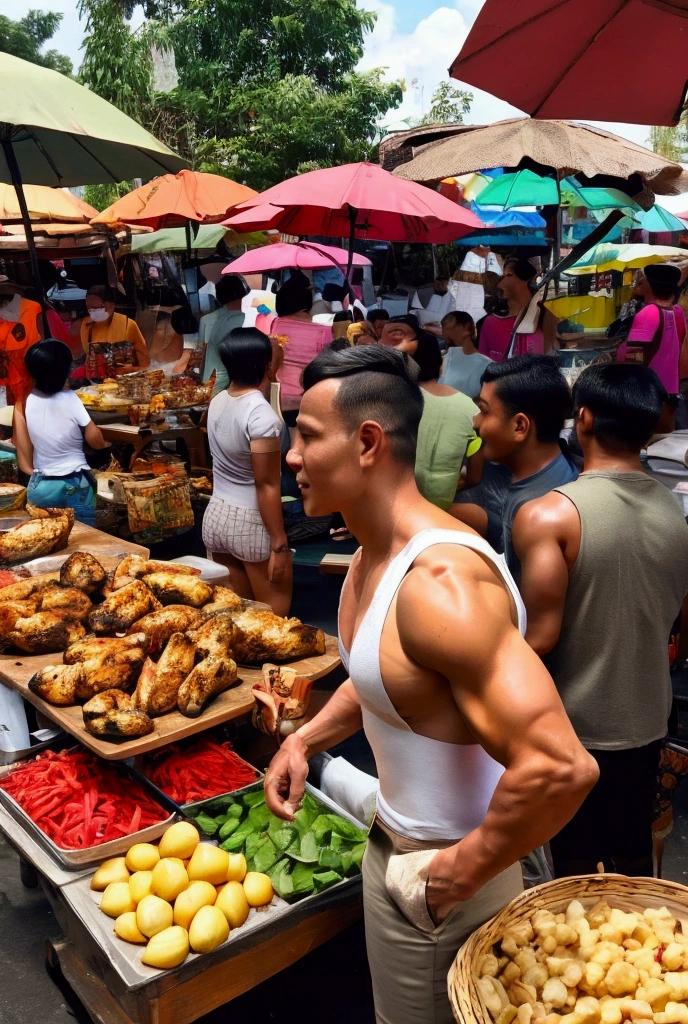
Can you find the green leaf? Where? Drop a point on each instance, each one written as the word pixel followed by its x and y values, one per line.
pixel 334 823
pixel 259 817
pixel 324 879
pixel 302 879
pixel 285 837
pixel 265 855
pixel 253 799
pixel 304 848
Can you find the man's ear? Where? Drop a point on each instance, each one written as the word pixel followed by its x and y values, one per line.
pixel 522 426
pixel 584 420
pixel 372 441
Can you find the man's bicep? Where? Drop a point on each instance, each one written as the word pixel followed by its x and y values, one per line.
pixel 544 579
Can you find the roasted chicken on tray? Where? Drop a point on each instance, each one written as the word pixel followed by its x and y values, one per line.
pixel 47 620
pixel 33 538
pixel 158 685
pixel 161 625
pixel 223 600
pixel 264 636
pixel 84 571
pixel 122 609
pixel 92 669
pixel 135 567
pixel 174 588
pixel 210 677
pixel 112 714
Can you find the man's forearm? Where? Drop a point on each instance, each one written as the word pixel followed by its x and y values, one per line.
pixel 339 719
pixel 529 806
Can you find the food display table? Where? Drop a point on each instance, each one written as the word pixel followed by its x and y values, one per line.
pixel 141 437
pixel 16 670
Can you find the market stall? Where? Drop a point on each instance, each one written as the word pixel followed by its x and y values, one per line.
pixel 157 630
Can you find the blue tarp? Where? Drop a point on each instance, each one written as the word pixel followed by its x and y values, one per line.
pixel 507 239
pixel 494 218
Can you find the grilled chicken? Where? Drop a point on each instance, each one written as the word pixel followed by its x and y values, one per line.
pixel 33 538
pixel 44 633
pixel 223 600
pixel 92 646
pixel 83 571
pixel 69 600
pixel 264 636
pixel 210 677
pixel 174 588
pixel 158 685
pixel 92 669
pixel 159 626
pixel 122 609
pixel 135 567
pixel 25 589
pixel 112 714
pixel 215 638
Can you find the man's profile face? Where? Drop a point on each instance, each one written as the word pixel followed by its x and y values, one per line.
pixel 509 285
pixel 494 425
pixel 441 286
pixel 325 454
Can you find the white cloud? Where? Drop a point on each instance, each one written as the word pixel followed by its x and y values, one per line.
pixel 426 53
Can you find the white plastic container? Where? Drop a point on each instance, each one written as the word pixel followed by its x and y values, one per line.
pixel 14 730
pixel 211 572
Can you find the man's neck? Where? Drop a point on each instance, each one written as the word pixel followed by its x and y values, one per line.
pixel 532 459
pixel 378 520
pixel 468 348
pixel 609 460
pixel 518 304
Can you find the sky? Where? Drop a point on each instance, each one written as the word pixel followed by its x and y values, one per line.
pixel 414 42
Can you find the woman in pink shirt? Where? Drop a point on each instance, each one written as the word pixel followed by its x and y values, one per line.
pixel 659 329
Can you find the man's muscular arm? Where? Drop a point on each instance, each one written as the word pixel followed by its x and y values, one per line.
pixel 455 618
pixel 542 532
pixel 285 780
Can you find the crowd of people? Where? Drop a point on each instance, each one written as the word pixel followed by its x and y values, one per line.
pixel 506 617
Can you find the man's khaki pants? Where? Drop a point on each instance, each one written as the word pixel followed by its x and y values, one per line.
pixel 409 967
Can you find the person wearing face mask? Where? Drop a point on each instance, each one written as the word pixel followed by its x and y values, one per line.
pixel 20 328
pixel 112 342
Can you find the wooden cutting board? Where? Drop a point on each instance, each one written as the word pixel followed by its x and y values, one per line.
pixel 16 670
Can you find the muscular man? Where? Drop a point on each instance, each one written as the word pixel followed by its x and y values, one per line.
pixel 604 571
pixel 477 761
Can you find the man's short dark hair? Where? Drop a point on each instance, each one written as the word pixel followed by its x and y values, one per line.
pixel 377 314
pixel 230 288
pixel 103 292
pixel 535 386
pixel 522 269
pixel 49 363
pixel 626 401
pixel 428 357
pixel 246 354
pixel 378 384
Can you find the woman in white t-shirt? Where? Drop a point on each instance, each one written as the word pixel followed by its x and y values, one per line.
pixel 49 433
pixel 243 526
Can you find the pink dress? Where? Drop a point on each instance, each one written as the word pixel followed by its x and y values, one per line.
pixel 644 328
pixel 495 336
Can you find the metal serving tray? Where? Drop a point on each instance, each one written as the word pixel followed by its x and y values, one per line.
pixel 197 806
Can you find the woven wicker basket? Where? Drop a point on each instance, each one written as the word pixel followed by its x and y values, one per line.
pixel 619 890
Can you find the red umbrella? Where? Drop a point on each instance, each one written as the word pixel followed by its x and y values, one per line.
pixel 614 60
pixel 359 201
pixel 304 255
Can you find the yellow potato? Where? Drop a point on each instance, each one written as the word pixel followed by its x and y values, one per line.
pixel 236 872
pixel 258 889
pixel 189 902
pixel 209 929
pixel 153 915
pixel 117 899
pixel 167 949
pixel 126 928
pixel 113 870
pixel 140 885
pixel 142 857
pixel 209 864
pixel 169 879
pixel 180 840
pixel 234 905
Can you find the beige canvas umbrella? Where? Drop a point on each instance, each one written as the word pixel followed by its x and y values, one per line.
pixel 563 146
pixel 44 204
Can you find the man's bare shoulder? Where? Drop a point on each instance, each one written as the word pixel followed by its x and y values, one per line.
pixel 553 513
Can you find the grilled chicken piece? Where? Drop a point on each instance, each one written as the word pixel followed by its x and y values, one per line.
pixel 159 626
pixel 122 609
pixel 158 685
pixel 135 567
pixel 27 589
pixel 33 538
pixel 264 636
pixel 210 677
pixel 223 600
pixel 83 571
pixel 44 633
pixel 215 637
pixel 113 668
pixel 68 600
pixel 67 514
pixel 174 588
pixel 112 714
pixel 56 684
pixel 91 646
pixel 10 613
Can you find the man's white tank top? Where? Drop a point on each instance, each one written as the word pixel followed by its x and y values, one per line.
pixel 429 789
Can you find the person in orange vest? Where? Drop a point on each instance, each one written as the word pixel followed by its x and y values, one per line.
pixel 20 328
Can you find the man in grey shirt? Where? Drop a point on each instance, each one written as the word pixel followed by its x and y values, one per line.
pixel 605 571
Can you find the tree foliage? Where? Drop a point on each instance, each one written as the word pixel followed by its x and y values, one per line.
pixel 27 37
pixel 448 105
pixel 671 143
pixel 267 88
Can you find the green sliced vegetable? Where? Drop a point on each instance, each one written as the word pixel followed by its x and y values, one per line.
pixel 253 799
pixel 238 838
pixel 230 825
pixel 209 825
pixel 333 823
pixel 329 858
pixel 235 811
pixel 281 879
pixel 253 841
pixel 284 837
pixel 302 879
pixel 304 849
pixel 265 855
pixel 324 879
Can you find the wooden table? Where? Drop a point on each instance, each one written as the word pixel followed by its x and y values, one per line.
pixel 334 564
pixel 87 538
pixel 16 670
pixel 141 437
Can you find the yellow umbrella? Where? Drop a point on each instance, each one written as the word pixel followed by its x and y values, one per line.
pixel 44 204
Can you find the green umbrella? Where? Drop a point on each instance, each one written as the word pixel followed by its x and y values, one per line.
pixel 521 188
pixel 658 220
pixel 56 132
pixel 574 195
pixel 207 237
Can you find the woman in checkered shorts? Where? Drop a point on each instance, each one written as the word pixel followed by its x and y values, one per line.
pixel 243 526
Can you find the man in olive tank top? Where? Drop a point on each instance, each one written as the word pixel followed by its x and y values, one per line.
pixel 604 574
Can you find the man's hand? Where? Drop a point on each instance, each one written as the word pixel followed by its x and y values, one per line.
pixel 444 890
pixel 285 780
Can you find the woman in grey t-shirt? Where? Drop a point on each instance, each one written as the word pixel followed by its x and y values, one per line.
pixel 243 526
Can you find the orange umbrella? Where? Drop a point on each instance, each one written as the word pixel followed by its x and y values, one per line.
pixel 45 204
pixel 173 200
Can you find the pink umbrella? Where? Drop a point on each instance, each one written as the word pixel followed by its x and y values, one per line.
pixel 356 201
pixel 305 255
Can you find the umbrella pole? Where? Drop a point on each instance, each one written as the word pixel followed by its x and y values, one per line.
pixel 353 214
pixel 15 174
pixel 187 230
